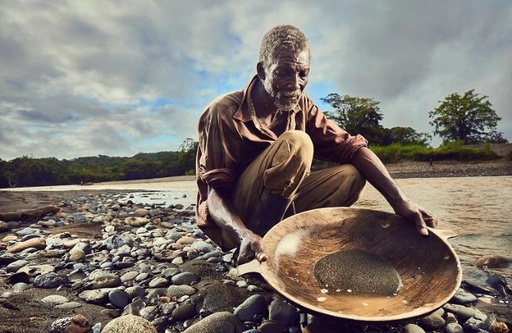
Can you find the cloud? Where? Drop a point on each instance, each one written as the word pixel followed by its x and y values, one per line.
pixel 118 78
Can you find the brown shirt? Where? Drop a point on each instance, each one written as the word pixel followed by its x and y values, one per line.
pixel 230 138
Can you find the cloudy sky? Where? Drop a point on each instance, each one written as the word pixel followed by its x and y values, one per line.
pixel 88 78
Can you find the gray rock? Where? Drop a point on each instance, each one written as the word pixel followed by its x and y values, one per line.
pixel 101 279
pixel 129 324
pixel 55 299
pixel 412 328
pixel 185 278
pixel 252 306
pixel 202 246
pixel 19 287
pixel 158 282
pixel 97 296
pixel 453 328
pixel 183 312
pixel 476 323
pixel 128 276
pixel 149 312
pixel 34 270
pixel 69 305
pixel 225 322
pixel 135 291
pixel 13 267
pixel 463 297
pixel 462 312
pixel 50 280
pixel 118 298
pixel 178 291
pixel 432 321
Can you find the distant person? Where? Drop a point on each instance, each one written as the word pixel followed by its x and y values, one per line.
pixel 256 147
pixel 431 162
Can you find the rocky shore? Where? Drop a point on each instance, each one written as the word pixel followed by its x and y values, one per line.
pixel 101 263
pixel 412 169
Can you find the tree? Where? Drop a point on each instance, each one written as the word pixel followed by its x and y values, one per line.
pixel 187 155
pixel 468 118
pixel 357 115
pixel 408 136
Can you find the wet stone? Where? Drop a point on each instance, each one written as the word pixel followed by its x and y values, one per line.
pixel 55 299
pixel 357 272
pixel 185 278
pixel 412 328
pixel 463 297
pixel 50 280
pixel 184 312
pixel 255 304
pixel 118 298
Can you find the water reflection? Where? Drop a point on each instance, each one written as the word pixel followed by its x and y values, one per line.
pixel 478 209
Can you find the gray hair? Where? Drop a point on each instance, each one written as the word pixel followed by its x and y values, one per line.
pixel 285 37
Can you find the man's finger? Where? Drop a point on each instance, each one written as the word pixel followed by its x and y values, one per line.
pixel 422 227
pixel 261 256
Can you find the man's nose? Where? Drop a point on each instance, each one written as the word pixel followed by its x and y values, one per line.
pixel 294 82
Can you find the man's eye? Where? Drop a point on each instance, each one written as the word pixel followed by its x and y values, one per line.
pixel 282 73
pixel 304 74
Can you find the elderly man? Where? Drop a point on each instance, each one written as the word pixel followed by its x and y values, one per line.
pixel 256 147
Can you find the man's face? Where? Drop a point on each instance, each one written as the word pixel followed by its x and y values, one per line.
pixel 286 78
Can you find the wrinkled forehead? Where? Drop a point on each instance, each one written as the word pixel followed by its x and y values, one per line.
pixel 283 55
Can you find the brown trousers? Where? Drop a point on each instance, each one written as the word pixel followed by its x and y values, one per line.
pixel 284 169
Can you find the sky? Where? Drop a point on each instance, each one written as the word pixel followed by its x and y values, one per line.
pixel 117 78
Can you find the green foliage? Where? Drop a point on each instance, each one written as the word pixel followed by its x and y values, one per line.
pixel 187 155
pixel 361 115
pixel 457 150
pixel 27 171
pixel 408 136
pixel 449 151
pixel 398 152
pixel 357 115
pixel 468 118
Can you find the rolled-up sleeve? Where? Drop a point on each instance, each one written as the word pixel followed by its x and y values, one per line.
pixel 215 161
pixel 331 142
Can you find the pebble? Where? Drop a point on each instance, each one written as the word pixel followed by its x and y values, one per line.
pixel 217 322
pixel 251 307
pixel 119 298
pixel 454 328
pixel 55 300
pixel 75 324
pixel 413 328
pixel 37 243
pixel 178 291
pixel 150 271
pixel 50 280
pixel 187 278
pixel 129 324
pixel 463 297
pixel 183 312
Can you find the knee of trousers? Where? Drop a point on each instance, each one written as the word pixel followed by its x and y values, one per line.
pixel 299 143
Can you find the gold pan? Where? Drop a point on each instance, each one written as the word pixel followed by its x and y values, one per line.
pixel 428 267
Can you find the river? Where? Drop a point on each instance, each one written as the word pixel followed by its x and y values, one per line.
pixel 478 209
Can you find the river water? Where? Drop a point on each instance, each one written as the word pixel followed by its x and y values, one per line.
pixel 478 209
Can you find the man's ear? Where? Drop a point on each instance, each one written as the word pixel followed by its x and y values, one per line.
pixel 261 71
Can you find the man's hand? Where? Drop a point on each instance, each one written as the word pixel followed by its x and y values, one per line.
pixel 251 247
pixel 416 214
